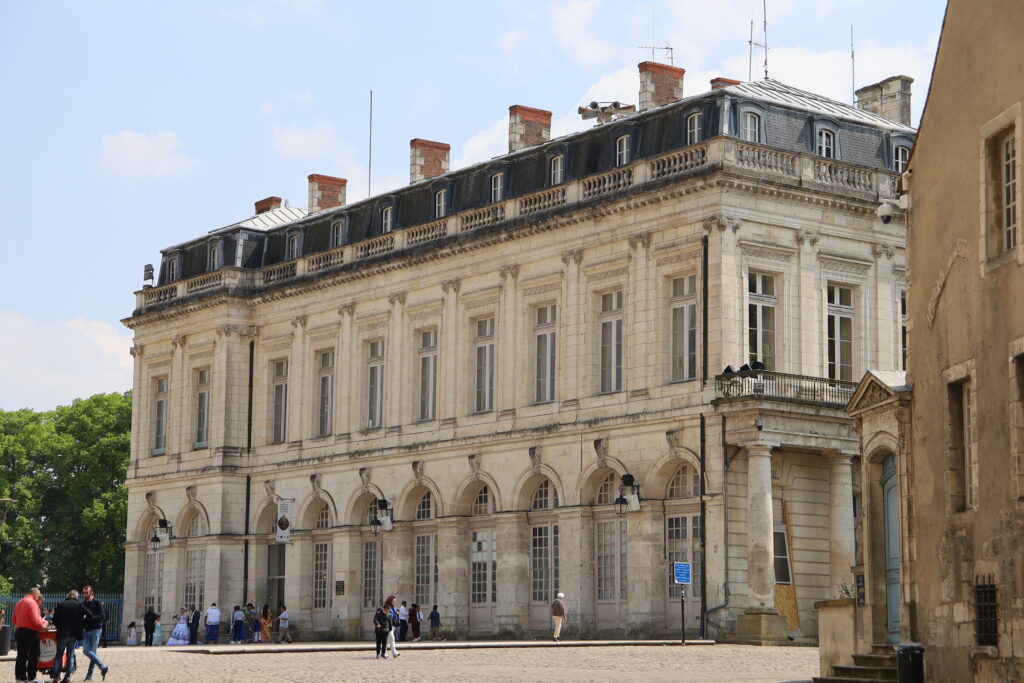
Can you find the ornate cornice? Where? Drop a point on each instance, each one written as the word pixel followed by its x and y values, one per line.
pixel 640 239
pixel 451 285
pixel 509 271
pixel 348 309
pixel 396 298
pixel 721 221
pixel 574 255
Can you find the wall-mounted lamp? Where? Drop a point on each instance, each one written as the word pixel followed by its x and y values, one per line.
pixel 629 495
pixel 382 517
pixel 162 535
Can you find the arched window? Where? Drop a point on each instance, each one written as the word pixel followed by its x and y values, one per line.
pixel 425 510
pixel 693 128
pixel 750 127
pixel 441 203
pixel 622 152
pixel 545 497
pixel 497 187
pixel 606 491
pixel 900 158
pixel 557 166
pixel 482 502
pixel 323 517
pixel 293 247
pixel 685 483
pixel 196 526
pixel 826 144
pixel 386 219
pixel 371 513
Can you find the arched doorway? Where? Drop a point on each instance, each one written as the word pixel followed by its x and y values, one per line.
pixel 544 543
pixel 483 562
pixel 682 542
pixel 319 518
pixel 610 556
pixel 891 525
pixel 372 565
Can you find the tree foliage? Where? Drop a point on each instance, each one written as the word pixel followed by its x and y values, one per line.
pixel 66 469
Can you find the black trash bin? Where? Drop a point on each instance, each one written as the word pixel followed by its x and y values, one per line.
pixel 909 663
pixel 5 640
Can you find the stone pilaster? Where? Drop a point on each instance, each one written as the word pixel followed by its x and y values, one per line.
pixel 298 425
pixel 399 570
pixel 576 569
pixel 346 376
pixel 642 295
pixel 453 573
pixel 348 562
pixel 648 577
pixel 450 372
pixel 513 578
pixel 811 308
pixel 397 365
pixel 573 357
pixel 841 532
pixel 508 340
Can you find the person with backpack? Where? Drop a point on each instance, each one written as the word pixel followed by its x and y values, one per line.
pixel 389 605
pixel 381 629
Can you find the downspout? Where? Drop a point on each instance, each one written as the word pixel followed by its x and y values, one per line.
pixel 704 315
pixel 703 539
pixel 725 517
pixel 248 481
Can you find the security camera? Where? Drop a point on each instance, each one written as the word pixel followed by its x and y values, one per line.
pixel 886 210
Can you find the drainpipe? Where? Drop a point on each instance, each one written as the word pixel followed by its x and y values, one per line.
pixel 703 540
pixel 704 314
pixel 725 516
pixel 248 482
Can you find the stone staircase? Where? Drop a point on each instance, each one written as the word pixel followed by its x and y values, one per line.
pixel 877 667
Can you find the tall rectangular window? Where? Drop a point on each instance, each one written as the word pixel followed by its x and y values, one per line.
pixel 557 165
pixel 428 374
pixel 441 203
pixel 483 567
pixel 375 384
pixel 280 400
pixel 484 384
pixel 750 127
pixel 761 318
pixel 213 257
pixel 840 332
pixel 693 128
pixel 291 248
pixel 497 187
pixel 1009 192
pixel 153 582
pixel 622 156
pixel 195 576
pixel 373 594
pixel 611 342
pixel 962 458
pixel 171 269
pixel 325 392
pixel 321 557
pixel 903 330
pixel 826 144
pixel 425 558
pixel 684 546
pixel 900 158
pixel 783 574
pixel 544 352
pixel 684 328
pixel 160 417
pixel 202 407
pixel 386 219
pixel 543 562
pixel 337 234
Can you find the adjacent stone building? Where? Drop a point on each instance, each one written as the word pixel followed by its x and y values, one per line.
pixel 486 360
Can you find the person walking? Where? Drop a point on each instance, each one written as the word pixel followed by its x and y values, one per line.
pixel 282 619
pixel 381 629
pixel 266 621
pixel 255 631
pixel 237 625
pixel 28 621
pixel 403 620
pixel 557 615
pixel 148 624
pixel 193 625
pixel 158 631
pixel 435 624
pixel 180 634
pixel 93 631
pixel 69 617
pixel 389 605
pixel 415 616
pixel 212 618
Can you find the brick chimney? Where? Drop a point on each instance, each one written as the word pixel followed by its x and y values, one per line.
pixel 264 205
pixel 427 159
pixel 890 99
pixel 722 82
pixel 659 84
pixel 325 192
pixel 527 127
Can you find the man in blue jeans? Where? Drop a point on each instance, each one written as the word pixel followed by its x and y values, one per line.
pixel 69 618
pixel 96 616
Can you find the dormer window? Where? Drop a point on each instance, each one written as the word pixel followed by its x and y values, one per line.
pixel 441 203
pixel 213 256
pixel 497 187
pixel 622 156
pixel 292 247
pixel 900 158
pixel 171 269
pixel 826 144
pixel 693 128
pixel 557 168
pixel 386 222
pixel 750 127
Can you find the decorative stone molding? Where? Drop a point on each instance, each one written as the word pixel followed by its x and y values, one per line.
pixel 882 249
pixel 766 254
pixel 364 477
pixel 190 494
pixel 428 314
pixel 960 251
pixel 535 453
pixel 374 325
pixel 675 441
pixel 348 309
pixel 278 344
pixel 601 451
pixel 474 465
pixel 807 237
pixel 397 298
pixel 640 238
pixel 670 259
pixel 269 489
pixel 202 355
pixel 608 274
pixel 482 303
pixel 574 255
pixel 136 350
pixel 511 270
pixel 240 330
pixel 543 289
pixel 178 340
pixel 847 267
pixel 158 365
pixel 299 321
pixel 314 482
pixel 452 285
pixel 151 502
pixel 417 471
pixel 721 221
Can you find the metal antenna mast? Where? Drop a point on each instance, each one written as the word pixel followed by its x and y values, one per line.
pixel 669 52
pixel 853 72
pixel 369 163
pixel 752 44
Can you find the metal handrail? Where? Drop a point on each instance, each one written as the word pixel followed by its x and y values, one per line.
pixel 786 387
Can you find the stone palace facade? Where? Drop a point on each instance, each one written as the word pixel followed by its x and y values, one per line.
pixel 487 359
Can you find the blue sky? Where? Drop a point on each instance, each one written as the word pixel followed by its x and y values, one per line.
pixel 133 126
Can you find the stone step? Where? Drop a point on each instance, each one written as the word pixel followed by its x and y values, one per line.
pixel 842 679
pixel 882 649
pixel 873 673
pixel 886 660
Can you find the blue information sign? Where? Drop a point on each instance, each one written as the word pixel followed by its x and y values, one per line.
pixel 681 572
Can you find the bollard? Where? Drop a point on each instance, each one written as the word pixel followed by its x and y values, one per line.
pixel 5 640
pixel 909 663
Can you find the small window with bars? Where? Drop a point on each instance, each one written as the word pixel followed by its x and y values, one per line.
pixel 986 618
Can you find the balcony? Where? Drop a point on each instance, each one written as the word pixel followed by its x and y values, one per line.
pixel 779 386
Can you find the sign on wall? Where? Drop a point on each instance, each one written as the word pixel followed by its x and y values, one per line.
pixel 284 520
pixel 681 572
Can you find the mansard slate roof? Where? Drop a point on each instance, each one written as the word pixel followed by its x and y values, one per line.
pixel 789 116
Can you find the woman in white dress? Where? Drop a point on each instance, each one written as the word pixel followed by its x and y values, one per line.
pixel 179 636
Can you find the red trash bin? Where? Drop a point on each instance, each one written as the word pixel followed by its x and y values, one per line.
pixel 47 649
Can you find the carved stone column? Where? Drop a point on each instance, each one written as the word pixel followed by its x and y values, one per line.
pixel 841 532
pixel 513 579
pixel 570 370
pixel 453 574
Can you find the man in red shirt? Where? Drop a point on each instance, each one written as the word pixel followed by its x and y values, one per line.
pixel 28 622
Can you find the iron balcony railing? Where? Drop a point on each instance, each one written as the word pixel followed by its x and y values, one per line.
pixel 780 386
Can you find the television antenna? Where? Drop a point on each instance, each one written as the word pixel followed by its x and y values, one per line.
pixel 668 50
pixel 763 44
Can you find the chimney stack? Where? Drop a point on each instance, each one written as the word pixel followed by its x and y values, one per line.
pixel 722 82
pixel 527 127
pixel 427 159
pixel 659 84
pixel 264 205
pixel 890 99
pixel 325 192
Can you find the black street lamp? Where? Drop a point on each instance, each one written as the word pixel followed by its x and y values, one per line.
pixel 383 509
pixel 630 488
pixel 155 543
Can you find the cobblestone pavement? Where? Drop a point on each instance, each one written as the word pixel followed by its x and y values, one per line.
pixel 697 663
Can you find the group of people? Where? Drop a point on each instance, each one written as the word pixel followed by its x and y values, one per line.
pixel 248 625
pixel 392 622
pixel 76 622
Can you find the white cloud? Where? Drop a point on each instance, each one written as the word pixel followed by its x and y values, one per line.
pixel 572 28
pixel 483 145
pixel 139 156
pixel 512 39
pixel 46 364
pixel 306 142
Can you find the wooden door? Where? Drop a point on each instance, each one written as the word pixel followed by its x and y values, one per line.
pixel 682 536
pixel 891 508
pixel 483 587
pixel 543 574
pixel 610 573
pixel 373 582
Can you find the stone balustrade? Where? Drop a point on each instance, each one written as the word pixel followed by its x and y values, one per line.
pixel 542 201
pixel 325 260
pixel 619 179
pixel 426 233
